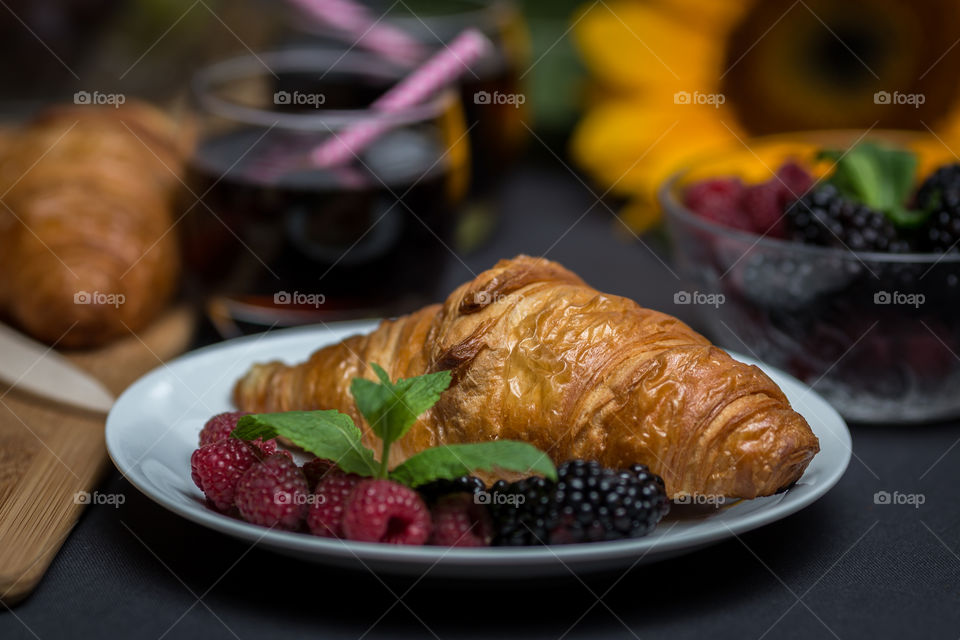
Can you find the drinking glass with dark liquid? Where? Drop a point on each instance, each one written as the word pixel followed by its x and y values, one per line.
pixel 492 91
pixel 269 239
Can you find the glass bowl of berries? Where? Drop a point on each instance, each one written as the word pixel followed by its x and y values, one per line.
pixel 834 256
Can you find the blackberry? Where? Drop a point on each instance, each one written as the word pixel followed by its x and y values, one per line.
pixel 939 195
pixel 588 503
pixel 522 511
pixel 432 491
pixel 644 475
pixel 824 217
pixel 594 503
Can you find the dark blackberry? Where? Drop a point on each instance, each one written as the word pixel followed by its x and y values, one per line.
pixel 939 195
pixel 644 475
pixel 824 217
pixel 432 491
pixel 522 511
pixel 588 503
pixel 594 503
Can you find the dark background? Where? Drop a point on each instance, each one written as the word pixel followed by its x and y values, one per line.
pixel 844 567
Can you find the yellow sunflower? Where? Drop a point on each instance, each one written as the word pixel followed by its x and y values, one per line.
pixel 675 78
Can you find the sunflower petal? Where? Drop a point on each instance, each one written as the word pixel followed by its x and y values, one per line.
pixel 634 45
pixel 632 145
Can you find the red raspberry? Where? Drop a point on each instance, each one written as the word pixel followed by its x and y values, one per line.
pixel 385 511
pixel 764 203
pixel 316 469
pixel 458 521
pixel 269 447
pixel 217 467
pixel 325 517
pixel 273 493
pixel 795 179
pixel 719 200
pixel 220 426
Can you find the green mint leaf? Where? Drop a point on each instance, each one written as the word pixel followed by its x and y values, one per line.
pixel 326 434
pixel 907 218
pixel 898 169
pixel 455 460
pixel 880 177
pixel 391 408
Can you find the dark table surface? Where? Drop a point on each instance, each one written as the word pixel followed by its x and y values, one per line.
pixel 844 567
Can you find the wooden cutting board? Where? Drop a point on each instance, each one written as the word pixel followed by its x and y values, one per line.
pixel 49 454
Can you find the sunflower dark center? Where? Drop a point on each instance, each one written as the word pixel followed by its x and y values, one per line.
pixel 819 64
pixel 846 55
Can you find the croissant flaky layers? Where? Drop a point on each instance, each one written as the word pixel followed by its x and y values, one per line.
pixel 538 355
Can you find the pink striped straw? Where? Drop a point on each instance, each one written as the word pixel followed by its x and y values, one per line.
pixel 440 70
pixel 357 23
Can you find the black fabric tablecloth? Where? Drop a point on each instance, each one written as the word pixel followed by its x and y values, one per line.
pixel 844 567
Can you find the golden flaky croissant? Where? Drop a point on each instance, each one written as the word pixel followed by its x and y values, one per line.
pixel 537 355
pixel 86 251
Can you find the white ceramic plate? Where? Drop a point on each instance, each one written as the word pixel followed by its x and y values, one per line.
pixel 153 429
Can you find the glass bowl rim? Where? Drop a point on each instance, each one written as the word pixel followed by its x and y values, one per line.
pixel 673 207
pixel 306 59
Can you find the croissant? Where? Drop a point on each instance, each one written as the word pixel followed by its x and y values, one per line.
pixel 85 243
pixel 537 355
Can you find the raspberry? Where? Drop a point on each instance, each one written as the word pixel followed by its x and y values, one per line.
pixel 315 470
pixel 273 493
pixel 222 425
pixel 269 447
pixel 458 521
pixel 795 179
pixel 764 204
pixel 325 516
pixel 217 467
pixel 385 511
pixel 719 200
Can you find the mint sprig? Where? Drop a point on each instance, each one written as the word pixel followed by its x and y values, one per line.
pixel 327 434
pixel 455 460
pixel 391 408
pixel 880 177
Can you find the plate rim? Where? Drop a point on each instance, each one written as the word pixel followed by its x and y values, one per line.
pixel 322 548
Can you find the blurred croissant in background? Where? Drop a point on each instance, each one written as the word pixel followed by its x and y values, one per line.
pixel 86 248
